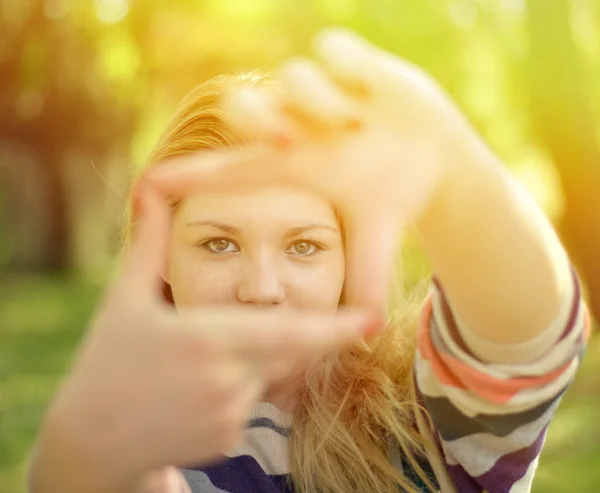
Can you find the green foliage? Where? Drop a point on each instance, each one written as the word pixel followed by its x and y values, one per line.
pixel 44 319
pixel 99 78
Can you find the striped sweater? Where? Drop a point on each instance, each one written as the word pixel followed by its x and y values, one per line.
pixel 490 405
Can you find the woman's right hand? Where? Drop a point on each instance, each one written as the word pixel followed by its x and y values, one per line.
pixel 153 387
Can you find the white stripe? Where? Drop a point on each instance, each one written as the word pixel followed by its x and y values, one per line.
pixel 268 410
pixel 532 397
pixel 479 452
pixel 427 382
pixel 523 485
pixel 558 355
pixel 198 481
pixel 267 447
pixel 449 456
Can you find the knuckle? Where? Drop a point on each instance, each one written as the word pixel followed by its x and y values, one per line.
pixel 297 69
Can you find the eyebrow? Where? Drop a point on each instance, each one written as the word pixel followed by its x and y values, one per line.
pixel 228 228
pixel 311 227
pixel 216 224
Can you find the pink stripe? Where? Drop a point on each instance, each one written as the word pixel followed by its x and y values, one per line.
pixel 453 372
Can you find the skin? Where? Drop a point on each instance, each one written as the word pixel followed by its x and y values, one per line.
pixel 146 372
pixel 266 248
pixel 379 137
pixel 412 159
pixel 270 248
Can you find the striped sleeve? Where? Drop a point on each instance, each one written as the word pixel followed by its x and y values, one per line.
pixel 491 417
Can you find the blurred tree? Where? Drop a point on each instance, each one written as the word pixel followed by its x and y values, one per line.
pixel 564 118
pixel 85 86
pixel 57 114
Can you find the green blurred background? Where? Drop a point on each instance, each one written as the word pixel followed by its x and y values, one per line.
pixel 85 87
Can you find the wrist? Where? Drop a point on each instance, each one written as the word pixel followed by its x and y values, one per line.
pixel 469 175
pixel 68 460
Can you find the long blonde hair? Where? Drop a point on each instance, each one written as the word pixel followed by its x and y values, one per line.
pixel 357 408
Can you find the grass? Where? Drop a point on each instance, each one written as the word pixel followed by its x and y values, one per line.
pixel 41 321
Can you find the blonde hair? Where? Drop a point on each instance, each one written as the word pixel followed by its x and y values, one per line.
pixel 357 408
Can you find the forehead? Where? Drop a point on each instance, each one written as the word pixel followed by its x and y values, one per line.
pixel 274 205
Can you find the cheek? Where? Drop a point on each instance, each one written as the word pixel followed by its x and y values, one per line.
pixel 195 283
pixel 319 286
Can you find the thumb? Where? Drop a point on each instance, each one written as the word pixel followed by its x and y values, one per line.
pixel 144 262
pixel 372 241
pixel 351 59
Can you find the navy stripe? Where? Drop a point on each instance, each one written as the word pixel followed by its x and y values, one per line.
pixel 241 474
pixel 270 424
pixel 463 482
pixel 452 424
pixel 450 322
pixel 284 482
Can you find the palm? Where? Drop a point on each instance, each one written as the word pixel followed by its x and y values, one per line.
pixel 368 172
pixel 365 129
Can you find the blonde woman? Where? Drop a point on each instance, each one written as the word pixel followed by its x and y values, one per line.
pixel 240 349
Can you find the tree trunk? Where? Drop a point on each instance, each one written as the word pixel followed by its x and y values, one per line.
pixel 35 211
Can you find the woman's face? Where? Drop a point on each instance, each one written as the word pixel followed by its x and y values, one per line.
pixel 275 248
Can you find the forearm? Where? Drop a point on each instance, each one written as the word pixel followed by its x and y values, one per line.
pixel 498 257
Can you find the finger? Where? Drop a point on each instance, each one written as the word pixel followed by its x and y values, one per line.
pixel 303 336
pixel 347 57
pixel 372 242
pixel 264 335
pixel 230 375
pixel 221 428
pixel 229 169
pixel 185 487
pixel 163 480
pixel 256 114
pixel 313 97
pixel 360 65
pixel 239 409
pixel 145 260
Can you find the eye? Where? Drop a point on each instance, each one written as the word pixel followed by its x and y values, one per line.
pixel 220 245
pixel 304 248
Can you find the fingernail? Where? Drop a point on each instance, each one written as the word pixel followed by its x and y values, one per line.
pixel 282 141
pixel 353 124
pixel 375 327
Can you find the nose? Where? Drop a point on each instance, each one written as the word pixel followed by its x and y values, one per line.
pixel 261 282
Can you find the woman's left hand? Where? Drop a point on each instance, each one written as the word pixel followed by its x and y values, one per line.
pixel 363 127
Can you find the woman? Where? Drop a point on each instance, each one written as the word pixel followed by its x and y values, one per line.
pixel 273 373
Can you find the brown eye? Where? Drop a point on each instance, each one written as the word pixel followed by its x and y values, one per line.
pixel 220 245
pixel 303 247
